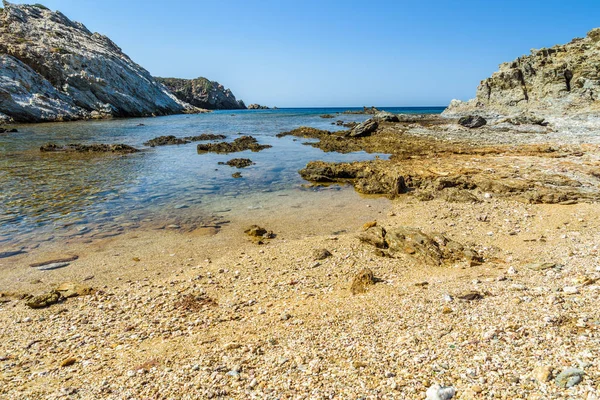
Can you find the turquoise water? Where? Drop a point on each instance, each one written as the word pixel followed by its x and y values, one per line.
pixel 50 196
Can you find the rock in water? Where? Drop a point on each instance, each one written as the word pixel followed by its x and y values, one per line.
pixel 548 82
pixel 472 122
pixel 384 116
pixel 54 69
pixel 203 93
pixel 438 392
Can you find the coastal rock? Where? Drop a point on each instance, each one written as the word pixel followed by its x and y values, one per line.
pixel 203 93
pixel 472 121
pixel 239 144
pixel 89 148
pixel 72 289
pixel 385 116
pixel 45 300
pixel 555 81
pixel 365 110
pixel 364 129
pixel 240 162
pixel 165 141
pixel 257 107
pixel 434 249
pixel 362 280
pixel 54 69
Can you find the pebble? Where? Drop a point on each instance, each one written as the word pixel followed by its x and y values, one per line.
pixel 542 373
pixel 438 392
pixel 571 289
pixel 569 377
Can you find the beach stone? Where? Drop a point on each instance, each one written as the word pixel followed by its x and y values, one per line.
pixel 438 392
pixel 321 254
pixel 472 121
pixel 542 373
pixel 68 362
pixel 258 232
pixel 45 300
pixel 569 377
pixel 375 236
pixel 362 281
pixel 72 289
pixel 541 266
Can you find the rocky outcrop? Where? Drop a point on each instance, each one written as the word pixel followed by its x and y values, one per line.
pixel 258 107
pixel 54 69
pixel 562 80
pixel 240 144
pixel 203 93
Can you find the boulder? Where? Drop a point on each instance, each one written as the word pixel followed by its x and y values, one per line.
pixel 472 122
pixel 45 300
pixel 364 129
pixel 240 144
pixel 384 116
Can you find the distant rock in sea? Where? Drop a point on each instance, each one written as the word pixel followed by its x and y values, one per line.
pixel 562 80
pixel 203 93
pixel 258 107
pixel 54 69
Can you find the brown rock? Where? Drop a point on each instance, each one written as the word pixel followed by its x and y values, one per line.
pixel 68 362
pixel 362 281
pixel 45 300
pixel 72 289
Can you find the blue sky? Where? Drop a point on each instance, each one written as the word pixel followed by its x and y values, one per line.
pixel 334 53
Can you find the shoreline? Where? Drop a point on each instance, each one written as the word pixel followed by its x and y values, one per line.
pixel 219 316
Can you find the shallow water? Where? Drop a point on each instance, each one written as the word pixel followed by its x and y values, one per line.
pixel 48 197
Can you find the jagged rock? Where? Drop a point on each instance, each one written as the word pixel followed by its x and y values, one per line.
pixel 203 93
pixel 435 249
pixel 257 107
pixel 165 140
pixel 553 81
pixel 364 129
pixel 365 110
pixel 362 281
pixel 375 236
pixel 239 162
pixel 385 116
pixel 321 254
pixel 258 232
pixel 72 289
pixel 307 132
pixel 45 300
pixel 54 69
pixel 472 121
pixel 6 130
pixel 239 144
pixel 89 148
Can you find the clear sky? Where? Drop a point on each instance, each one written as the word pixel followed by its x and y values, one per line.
pixel 334 53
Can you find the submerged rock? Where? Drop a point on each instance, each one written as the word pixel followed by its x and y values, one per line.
pixel 240 162
pixel 89 148
pixel 8 130
pixel 240 144
pixel 165 140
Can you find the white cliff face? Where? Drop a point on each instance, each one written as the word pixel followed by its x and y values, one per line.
pixel 52 68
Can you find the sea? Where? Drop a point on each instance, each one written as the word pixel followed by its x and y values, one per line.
pixel 53 197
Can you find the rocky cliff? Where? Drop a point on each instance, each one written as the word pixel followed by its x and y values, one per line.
pixel 203 93
pixel 54 69
pixel 562 80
